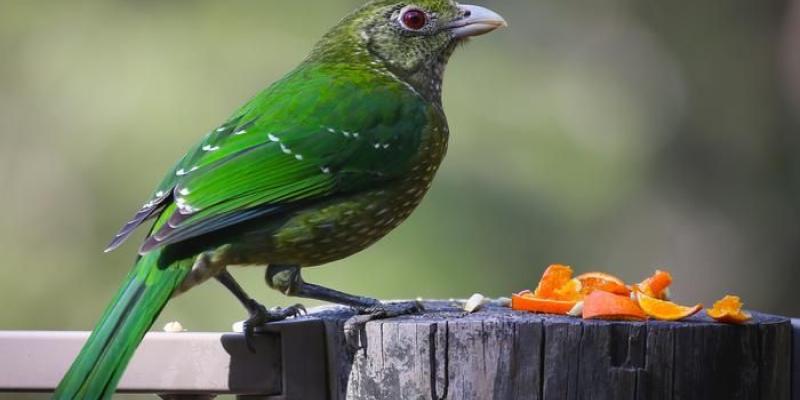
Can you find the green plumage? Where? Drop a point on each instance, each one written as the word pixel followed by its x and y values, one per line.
pixel 122 326
pixel 315 168
pixel 319 132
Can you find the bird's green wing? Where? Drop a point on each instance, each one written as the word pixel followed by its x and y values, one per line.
pixel 316 133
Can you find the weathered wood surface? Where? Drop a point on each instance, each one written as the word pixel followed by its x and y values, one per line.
pixel 501 354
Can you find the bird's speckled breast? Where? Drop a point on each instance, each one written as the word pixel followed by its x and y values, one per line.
pixel 345 225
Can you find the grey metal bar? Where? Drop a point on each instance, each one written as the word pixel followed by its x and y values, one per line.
pixel 185 363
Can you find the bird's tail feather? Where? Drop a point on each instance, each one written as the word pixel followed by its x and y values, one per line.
pixel 98 368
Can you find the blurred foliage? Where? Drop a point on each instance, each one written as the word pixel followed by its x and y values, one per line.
pixel 619 135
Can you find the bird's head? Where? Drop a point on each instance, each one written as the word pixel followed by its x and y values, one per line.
pixel 413 39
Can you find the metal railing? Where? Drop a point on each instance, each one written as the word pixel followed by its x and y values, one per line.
pixel 289 363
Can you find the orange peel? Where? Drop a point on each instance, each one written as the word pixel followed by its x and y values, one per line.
pixel 526 301
pixel 606 305
pixel 665 310
pixel 729 310
pixel 592 281
pixel 656 285
pixel 553 280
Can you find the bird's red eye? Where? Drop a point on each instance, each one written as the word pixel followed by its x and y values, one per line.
pixel 414 19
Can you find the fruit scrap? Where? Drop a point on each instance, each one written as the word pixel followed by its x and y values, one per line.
pixel 592 281
pixel 664 310
pixel 559 293
pixel 656 285
pixel 606 305
pixel 474 303
pixel 576 311
pixel 527 301
pixel 729 310
pixel 597 295
pixel 555 283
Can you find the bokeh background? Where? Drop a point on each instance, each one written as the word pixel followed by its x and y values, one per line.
pixel 614 135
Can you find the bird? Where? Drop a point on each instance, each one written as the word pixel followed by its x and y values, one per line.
pixel 317 167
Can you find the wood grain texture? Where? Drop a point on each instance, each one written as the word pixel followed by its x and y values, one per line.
pixel 497 353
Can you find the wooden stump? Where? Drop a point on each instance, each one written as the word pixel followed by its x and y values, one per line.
pixel 497 353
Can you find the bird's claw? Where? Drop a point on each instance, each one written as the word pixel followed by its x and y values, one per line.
pixel 391 310
pixel 261 316
pixel 297 310
pixel 354 325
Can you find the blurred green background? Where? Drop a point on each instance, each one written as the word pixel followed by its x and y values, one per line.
pixel 615 135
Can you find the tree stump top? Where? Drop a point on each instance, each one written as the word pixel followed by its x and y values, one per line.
pixel 442 310
pixel 497 353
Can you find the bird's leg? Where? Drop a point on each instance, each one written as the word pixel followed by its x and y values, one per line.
pixel 259 315
pixel 287 279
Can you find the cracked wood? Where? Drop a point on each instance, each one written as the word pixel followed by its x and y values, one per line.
pixel 501 354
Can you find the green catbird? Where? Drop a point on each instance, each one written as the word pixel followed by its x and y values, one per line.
pixel 319 166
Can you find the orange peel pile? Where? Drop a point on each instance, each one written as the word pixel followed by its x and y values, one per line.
pixel 598 295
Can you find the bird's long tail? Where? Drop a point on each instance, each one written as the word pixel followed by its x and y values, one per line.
pixel 98 368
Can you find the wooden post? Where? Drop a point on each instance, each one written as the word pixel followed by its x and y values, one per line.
pixel 444 353
pixel 501 354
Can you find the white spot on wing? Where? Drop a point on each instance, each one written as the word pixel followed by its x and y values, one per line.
pixel 273 138
pixel 184 207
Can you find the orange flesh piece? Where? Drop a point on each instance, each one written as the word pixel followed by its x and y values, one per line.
pixel 729 310
pixel 605 305
pixel 553 280
pixel 570 291
pixel 592 281
pixel 665 310
pixel 525 301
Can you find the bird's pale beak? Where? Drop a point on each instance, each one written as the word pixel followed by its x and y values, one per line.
pixel 476 21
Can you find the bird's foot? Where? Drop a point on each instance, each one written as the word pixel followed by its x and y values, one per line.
pixel 354 326
pixel 260 316
pixel 391 310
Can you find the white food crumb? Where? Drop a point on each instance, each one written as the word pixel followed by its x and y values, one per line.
pixel 474 303
pixel 576 311
pixel 174 327
pixel 502 302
